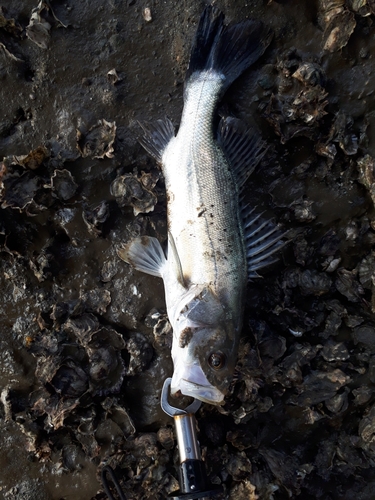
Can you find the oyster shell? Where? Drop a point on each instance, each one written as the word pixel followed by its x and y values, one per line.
pixel 366 168
pixel 95 218
pixel 98 141
pixel 137 192
pixel 338 23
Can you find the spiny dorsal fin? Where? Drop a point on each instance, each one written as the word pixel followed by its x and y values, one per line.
pixel 263 239
pixel 243 147
pixel 156 137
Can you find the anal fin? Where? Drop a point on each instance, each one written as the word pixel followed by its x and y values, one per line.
pixel 144 254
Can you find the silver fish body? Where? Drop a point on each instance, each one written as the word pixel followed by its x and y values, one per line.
pixel 204 222
pixel 214 243
pixel 203 201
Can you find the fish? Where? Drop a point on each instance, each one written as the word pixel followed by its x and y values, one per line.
pixel 216 243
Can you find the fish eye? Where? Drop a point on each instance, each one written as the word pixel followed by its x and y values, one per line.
pixel 217 360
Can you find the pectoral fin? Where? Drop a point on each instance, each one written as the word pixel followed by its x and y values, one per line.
pixel 145 254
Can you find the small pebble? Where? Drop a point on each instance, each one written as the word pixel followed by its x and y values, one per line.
pixel 147 14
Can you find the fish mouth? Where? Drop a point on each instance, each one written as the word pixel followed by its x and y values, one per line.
pixel 206 393
pixel 193 382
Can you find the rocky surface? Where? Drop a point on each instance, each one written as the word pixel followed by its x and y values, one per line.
pixel 85 340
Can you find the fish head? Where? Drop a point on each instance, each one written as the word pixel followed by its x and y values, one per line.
pixel 204 349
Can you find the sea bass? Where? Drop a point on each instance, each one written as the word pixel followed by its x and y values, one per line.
pixel 214 243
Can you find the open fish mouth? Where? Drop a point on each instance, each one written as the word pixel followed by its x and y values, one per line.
pixel 193 382
pixel 206 393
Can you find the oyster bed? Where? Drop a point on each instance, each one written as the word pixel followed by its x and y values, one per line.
pixel 85 340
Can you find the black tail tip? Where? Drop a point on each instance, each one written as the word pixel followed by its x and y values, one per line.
pixel 227 49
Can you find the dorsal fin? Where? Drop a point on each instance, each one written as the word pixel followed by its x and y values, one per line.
pixel 242 146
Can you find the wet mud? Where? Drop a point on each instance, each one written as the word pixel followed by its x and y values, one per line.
pixel 85 341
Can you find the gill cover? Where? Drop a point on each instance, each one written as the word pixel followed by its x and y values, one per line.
pixel 202 348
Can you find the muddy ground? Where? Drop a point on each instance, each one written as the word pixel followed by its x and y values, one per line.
pixel 84 346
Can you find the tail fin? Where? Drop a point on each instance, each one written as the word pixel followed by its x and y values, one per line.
pixel 228 50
